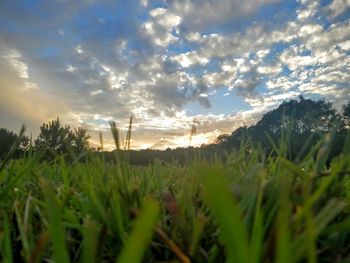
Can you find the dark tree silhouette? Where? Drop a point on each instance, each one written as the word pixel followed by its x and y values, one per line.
pixel 346 115
pixel 54 137
pixel 8 140
pixel 57 139
pixel 304 121
pixel 81 139
pixel 301 116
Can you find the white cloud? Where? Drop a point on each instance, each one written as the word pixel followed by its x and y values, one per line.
pixel 70 68
pixel 220 79
pixel 165 18
pixel 345 46
pixel 189 59
pixel 310 29
pixel 338 7
pixel 205 13
pixel 194 37
pixel 269 70
pixel 293 60
pixel 21 100
pixel 93 93
pixel 161 25
pixel 283 83
pixel 308 11
pixel 116 81
pixel 144 3
pixel 262 53
pixel 324 39
pixel 14 58
pixel 79 49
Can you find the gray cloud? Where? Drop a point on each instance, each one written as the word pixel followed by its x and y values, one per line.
pixel 21 101
pixel 203 14
pixel 153 62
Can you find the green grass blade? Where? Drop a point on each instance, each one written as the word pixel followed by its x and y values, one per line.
pixel 56 229
pixel 141 234
pixel 320 221
pixel 226 212
pixel 256 246
pixel 292 167
pixel 22 233
pixel 5 241
pixel 283 253
pixel 328 213
pixel 90 244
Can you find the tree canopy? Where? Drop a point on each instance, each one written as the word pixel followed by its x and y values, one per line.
pixel 9 139
pixel 57 139
pixel 301 116
pixel 304 120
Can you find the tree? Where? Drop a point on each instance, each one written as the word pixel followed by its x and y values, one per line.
pixel 8 140
pixel 54 137
pixel 81 139
pixel 346 115
pixel 57 139
pixel 233 140
pixel 303 116
pixel 303 120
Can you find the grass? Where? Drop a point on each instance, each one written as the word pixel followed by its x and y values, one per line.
pixel 252 208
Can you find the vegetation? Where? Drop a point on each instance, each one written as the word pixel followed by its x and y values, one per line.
pixel 260 203
pixel 55 139
pixel 11 142
pixel 305 121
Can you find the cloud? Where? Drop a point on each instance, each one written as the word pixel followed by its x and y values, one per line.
pixel 201 14
pixel 190 59
pixel 292 58
pixel 269 70
pixel 144 3
pixel 21 100
pixel 308 11
pixel 167 63
pixel 338 7
pixel 161 25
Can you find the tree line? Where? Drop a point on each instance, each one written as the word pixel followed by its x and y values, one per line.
pixel 54 139
pixel 297 125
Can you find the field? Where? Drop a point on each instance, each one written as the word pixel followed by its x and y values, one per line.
pixel 251 208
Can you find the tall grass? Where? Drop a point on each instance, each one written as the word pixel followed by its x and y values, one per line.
pixel 252 208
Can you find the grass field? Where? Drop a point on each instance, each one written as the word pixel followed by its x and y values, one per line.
pixel 252 208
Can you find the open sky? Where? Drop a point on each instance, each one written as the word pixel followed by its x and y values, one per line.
pixel 218 64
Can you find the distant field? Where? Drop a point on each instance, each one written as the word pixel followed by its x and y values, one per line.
pixel 252 208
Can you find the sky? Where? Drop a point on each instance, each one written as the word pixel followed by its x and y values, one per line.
pixel 170 64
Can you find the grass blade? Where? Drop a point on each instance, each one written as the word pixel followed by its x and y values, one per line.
pixel 227 213
pixel 5 240
pixel 90 233
pixel 141 234
pixel 56 229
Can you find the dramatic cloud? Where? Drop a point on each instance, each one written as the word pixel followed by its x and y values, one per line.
pixel 220 64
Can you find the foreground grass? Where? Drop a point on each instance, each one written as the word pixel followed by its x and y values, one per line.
pixel 252 208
